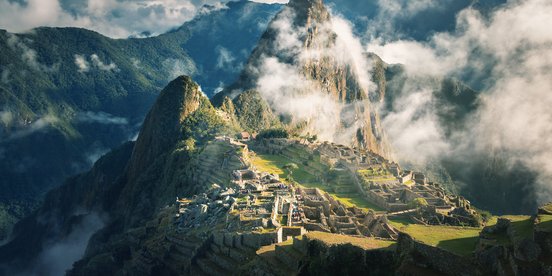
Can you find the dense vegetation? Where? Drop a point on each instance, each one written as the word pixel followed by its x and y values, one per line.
pixel 204 124
pixel 253 112
pixel 69 95
pixel 273 133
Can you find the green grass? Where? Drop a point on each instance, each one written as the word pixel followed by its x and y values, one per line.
pixel 409 183
pixel 275 163
pixel 364 243
pixel 522 225
pixel 458 240
pixel 357 200
pixel 547 207
pixel 545 223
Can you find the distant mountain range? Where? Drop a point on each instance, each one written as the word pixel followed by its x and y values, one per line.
pixel 68 95
pixel 112 212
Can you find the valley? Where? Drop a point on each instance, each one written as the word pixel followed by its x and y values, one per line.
pixel 279 146
pixel 261 215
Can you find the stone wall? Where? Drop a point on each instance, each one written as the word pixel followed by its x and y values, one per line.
pixel 343 259
pixel 435 258
pixel 251 240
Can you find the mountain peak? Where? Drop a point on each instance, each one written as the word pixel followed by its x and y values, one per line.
pixel 162 126
pixel 309 12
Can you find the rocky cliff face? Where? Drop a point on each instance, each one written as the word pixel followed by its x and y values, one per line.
pixel 301 53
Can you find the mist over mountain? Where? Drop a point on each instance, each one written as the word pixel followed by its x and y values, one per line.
pixel 313 72
pixel 431 88
pixel 70 95
pixel 499 148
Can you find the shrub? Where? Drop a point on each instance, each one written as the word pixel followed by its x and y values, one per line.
pixel 417 203
pixel 273 133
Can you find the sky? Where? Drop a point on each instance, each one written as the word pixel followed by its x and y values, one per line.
pixel 113 18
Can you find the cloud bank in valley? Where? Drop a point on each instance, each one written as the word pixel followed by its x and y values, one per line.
pixel 512 50
pixel 59 256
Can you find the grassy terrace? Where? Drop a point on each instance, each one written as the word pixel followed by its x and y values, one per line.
pixel 522 225
pixel 545 223
pixel 364 243
pixel 458 240
pixel 275 163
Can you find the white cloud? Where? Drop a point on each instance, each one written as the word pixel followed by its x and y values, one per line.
pixel 114 18
pixel 102 66
pixel 27 54
pixel 101 117
pixel 271 1
pixel 81 63
pixel 84 65
pixel 95 154
pixel 177 67
pixel 404 8
pixel 6 118
pixel 58 256
pixel 285 82
pixel 34 126
pixel 15 16
pixel 515 44
pixel 414 127
pixel 226 60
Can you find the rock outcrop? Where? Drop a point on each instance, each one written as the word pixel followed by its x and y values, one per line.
pixel 128 186
pixel 311 52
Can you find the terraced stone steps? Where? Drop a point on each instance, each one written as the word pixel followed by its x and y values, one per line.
pixel 226 258
pixel 211 268
pixel 226 263
pixel 289 256
pixel 274 264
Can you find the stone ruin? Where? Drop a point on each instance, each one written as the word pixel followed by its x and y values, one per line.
pixel 261 202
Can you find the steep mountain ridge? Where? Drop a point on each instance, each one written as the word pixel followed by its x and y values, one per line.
pixel 69 95
pixel 127 186
pixel 175 154
pixel 302 36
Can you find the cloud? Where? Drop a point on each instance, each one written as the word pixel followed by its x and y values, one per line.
pixel 102 66
pixel 136 63
pixel 59 256
pixel 391 18
pixel 28 55
pixel 84 65
pixel 101 117
pixel 404 8
pixel 17 16
pixel 176 67
pixel 32 127
pixel 81 63
pixel 114 18
pixel 414 127
pixel 6 118
pixel 96 153
pixel 284 81
pixel 225 60
pixel 271 1
pixel 511 53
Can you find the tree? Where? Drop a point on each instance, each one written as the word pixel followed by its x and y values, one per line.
pixel 273 133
